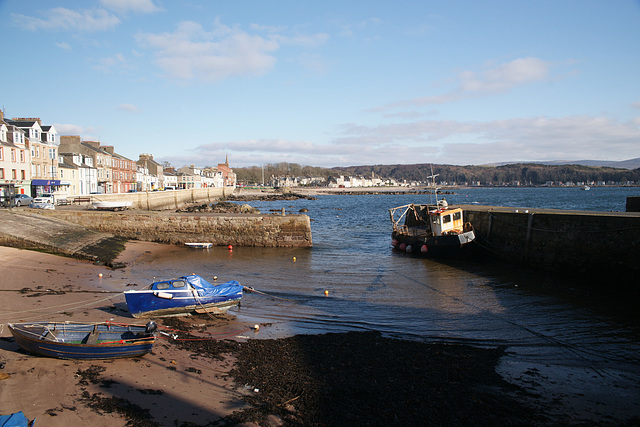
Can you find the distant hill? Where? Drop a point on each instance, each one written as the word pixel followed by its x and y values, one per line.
pixel 507 174
pixel 586 171
pixel 623 164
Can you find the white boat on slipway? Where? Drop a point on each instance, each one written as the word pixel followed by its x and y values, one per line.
pixel 110 205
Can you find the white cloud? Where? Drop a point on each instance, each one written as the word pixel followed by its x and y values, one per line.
pixel 67 19
pixel 193 53
pixel 63 45
pixel 123 6
pixel 129 108
pixel 116 61
pixel 504 77
pixel 70 129
pixel 190 52
pixel 528 139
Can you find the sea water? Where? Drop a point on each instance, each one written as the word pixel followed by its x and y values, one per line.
pixel 557 332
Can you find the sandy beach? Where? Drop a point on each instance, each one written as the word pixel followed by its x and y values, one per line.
pixel 167 382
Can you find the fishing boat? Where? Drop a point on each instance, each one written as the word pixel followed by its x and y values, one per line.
pixel 434 229
pixel 197 245
pixel 182 296
pixel 430 230
pixel 67 340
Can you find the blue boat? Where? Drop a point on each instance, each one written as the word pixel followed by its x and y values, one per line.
pixel 184 295
pixel 67 340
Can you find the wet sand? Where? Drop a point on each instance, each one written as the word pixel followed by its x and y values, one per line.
pixel 215 374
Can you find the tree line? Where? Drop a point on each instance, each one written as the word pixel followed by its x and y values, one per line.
pixel 522 173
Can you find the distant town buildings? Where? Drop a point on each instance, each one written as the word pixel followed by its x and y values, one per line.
pixel 34 160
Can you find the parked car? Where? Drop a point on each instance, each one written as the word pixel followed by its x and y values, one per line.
pixel 23 200
pixel 44 198
pixel 43 201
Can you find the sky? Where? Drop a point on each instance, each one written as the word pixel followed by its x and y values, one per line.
pixel 330 83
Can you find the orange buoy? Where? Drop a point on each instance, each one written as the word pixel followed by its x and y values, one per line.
pixel 230 247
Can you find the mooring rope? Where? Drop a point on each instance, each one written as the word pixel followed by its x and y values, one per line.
pixel 251 290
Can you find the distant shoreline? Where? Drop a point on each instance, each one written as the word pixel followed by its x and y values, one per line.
pixel 315 191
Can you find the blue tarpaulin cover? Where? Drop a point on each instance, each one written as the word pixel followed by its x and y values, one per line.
pixel 14 420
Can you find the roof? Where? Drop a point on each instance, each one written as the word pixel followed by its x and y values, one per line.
pixel 92 148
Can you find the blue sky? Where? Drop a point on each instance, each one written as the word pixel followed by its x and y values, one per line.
pixel 330 83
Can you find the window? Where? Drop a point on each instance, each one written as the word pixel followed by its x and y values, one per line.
pixel 446 219
pixel 21 156
pixel 13 155
pixel 178 284
pixel 457 216
pixel 23 174
pixel 1 153
pixel 13 174
pixel 1 173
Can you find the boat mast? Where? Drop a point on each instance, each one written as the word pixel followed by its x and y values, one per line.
pixel 433 182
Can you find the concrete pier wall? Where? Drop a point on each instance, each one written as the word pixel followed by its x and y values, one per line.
pixel 179 228
pixel 173 199
pixel 590 244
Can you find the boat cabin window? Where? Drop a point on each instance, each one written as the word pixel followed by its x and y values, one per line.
pixel 457 216
pixel 163 285
pixel 178 284
pixel 446 219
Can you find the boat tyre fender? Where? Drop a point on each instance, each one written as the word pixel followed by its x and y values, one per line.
pixel 151 327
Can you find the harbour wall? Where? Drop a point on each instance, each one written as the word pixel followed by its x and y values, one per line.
pixel 593 245
pixel 179 228
pixel 159 200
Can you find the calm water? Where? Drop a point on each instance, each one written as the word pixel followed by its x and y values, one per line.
pixel 559 336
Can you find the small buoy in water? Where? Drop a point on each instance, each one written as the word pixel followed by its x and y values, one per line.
pixel 394 242
pixel 100 275
pixel 409 248
pixel 215 277
pixel 230 247
pixel 402 246
pixel 424 249
pixel 256 327
pixel 294 258
pixel 326 292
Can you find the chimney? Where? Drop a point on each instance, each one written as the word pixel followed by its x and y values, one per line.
pixel 94 144
pixel 108 149
pixel 69 144
pixel 29 119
